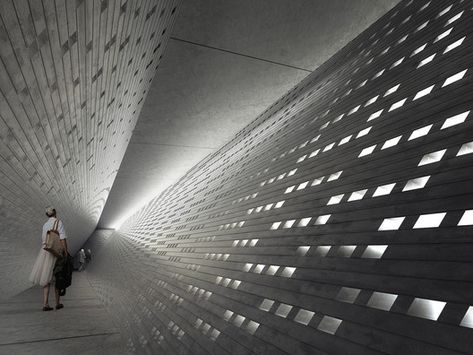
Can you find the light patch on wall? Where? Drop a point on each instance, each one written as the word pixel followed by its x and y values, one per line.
pixel 375 115
pixel 426 60
pixel 391 224
pixel 329 324
pixel 454 45
pixel 374 251
pixel 391 90
pixel 466 219
pixel 417 183
pixel 322 219
pixel 425 308
pixel 455 120
pixel 432 157
pixel 443 34
pixel 381 300
pixel 384 190
pixel 454 78
pixel 420 132
pixel 424 92
pixel 431 220
pixel 303 316
pixel 467 320
pixel 357 195
pixel 466 148
pixel 397 105
pixel 391 142
pixel 367 151
pixel 335 199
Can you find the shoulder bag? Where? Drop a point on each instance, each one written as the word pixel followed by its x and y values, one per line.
pixel 53 241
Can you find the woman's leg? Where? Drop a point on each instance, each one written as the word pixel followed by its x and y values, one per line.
pixel 45 295
pixel 58 298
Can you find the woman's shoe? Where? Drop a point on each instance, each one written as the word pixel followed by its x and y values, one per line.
pixel 59 306
pixel 47 308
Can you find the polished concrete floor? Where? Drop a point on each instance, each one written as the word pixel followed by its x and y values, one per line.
pixel 83 326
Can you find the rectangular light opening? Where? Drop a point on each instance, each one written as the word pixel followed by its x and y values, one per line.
pixel 454 78
pixel 357 195
pixel 466 219
pixel 391 224
pixel 455 120
pixel 335 176
pixel 443 34
pixel 426 60
pixel 345 140
pixel 418 50
pixel 266 305
pixel 303 316
pixel 397 104
pixel 392 90
pixel 424 92
pixel 374 251
pixel 466 148
pixel 454 45
pixel 425 308
pixel 283 310
pixel 348 294
pixel 420 132
pixel 335 199
pixel 431 220
pixel 372 100
pixel 288 271
pixel 322 250
pixel 433 157
pixel 384 190
pixel 382 301
pixel 302 250
pixel 391 142
pixel 329 324
pixel 302 185
pixel 375 115
pixel 417 183
pixel 322 219
pixel 304 222
pixel 367 151
pixel 289 223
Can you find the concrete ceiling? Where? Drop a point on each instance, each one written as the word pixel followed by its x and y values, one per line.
pixel 226 62
pixel 73 77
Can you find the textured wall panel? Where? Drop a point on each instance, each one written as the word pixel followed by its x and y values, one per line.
pixel 73 77
pixel 339 222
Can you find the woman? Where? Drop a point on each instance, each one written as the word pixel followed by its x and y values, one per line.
pixel 42 273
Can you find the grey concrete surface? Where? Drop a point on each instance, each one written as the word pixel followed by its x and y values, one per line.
pixel 83 326
pixel 226 62
pixel 73 78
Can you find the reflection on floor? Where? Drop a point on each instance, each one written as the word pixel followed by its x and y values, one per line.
pixel 83 326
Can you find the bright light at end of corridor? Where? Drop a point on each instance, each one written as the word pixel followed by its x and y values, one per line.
pixel 119 222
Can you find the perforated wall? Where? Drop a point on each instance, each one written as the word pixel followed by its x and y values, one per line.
pixel 339 222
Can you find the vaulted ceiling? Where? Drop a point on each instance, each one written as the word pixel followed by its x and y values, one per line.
pixel 77 76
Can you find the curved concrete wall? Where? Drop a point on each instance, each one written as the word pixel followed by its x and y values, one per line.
pixel 73 77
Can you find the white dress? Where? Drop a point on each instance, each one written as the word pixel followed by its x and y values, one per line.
pixel 42 272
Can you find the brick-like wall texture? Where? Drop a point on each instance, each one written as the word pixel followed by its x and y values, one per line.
pixel 73 78
pixel 339 222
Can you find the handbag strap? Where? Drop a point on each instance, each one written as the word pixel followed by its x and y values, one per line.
pixel 55 225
